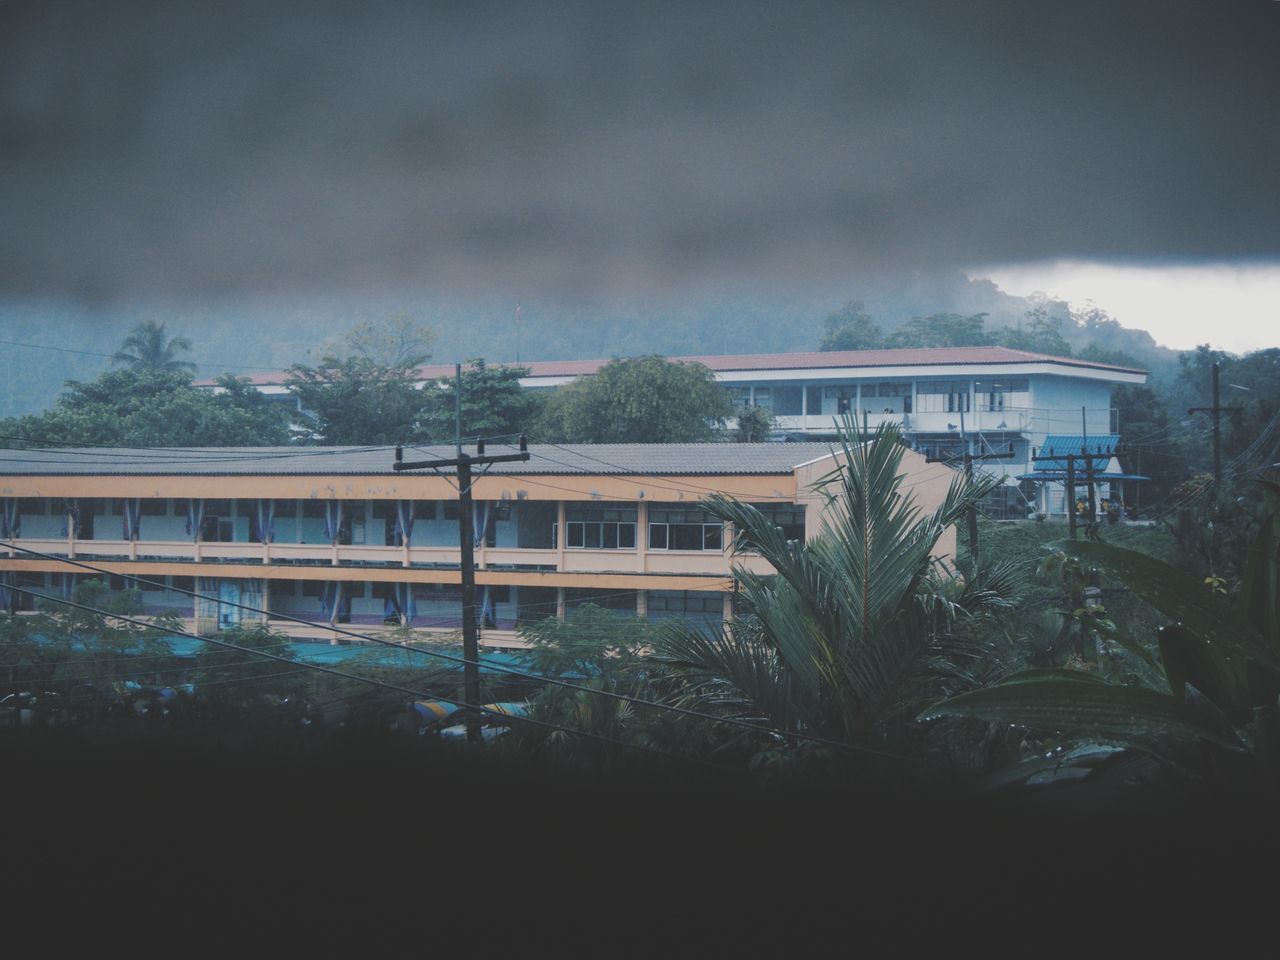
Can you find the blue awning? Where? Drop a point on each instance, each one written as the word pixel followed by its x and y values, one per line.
pixel 1092 452
pixel 1061 475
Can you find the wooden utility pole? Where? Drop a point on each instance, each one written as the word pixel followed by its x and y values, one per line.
pixel 1216 412
pixel 969 459
pixel 466 543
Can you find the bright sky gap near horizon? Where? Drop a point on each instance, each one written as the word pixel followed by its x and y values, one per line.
pixel 1232 307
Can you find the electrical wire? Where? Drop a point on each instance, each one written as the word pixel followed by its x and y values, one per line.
pixel 318 668
pixel 493 667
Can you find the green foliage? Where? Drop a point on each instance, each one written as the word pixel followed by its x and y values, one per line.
pixel 145 408
pixel 639 400
pixel 942 330
pixel 148 348
pixel 851 328
pixel 857 625
pixel 1220 659
pixel 1041 332
pixel 364 391
pixel 493 404
pixel 755 425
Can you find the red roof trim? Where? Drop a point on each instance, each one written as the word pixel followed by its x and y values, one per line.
pixel 922 357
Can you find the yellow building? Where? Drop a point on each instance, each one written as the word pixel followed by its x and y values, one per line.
pixel 333 535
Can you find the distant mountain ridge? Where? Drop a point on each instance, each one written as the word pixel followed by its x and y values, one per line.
pixel 244 337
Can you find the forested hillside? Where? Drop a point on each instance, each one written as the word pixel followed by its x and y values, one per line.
pixel 241 337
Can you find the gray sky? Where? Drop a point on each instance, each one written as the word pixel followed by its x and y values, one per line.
pixel 605 148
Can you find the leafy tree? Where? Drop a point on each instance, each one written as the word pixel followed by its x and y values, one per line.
pixel 365 389
pixel 493 404
pixel 851 328
pixel 148 348
pixel 943 330
pixel 639 400
pixel 755 425
pixel 1039 333
pixel 145 408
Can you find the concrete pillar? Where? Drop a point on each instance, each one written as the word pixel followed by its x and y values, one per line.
pixel 560 535
pixel 642 534
pixel 727 607
pixel 642 603
pixel 560 603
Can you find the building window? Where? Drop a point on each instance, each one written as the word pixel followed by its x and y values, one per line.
pixel 995 395
pixel 887 397
pixel 684 529
pixel 943 396
pixel 594 527
pixel 787 517
pixel 684 602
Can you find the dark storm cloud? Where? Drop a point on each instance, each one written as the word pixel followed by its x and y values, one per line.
pixel 188 148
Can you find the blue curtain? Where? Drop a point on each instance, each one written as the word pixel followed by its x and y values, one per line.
pixel 332 519
pixel 263 522
pixel 488 617
pixel 332 601
pixel 400 603
pixel 72 508
pixel 404 522
pixel 195 517
pixel 132 514
pixel 10 518
pixel 482 517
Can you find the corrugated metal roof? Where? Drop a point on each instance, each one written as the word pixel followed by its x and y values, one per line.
pixel 690 459
pixel 1100 447
pixel 931 356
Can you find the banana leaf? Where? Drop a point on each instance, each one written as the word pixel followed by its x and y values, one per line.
pixel 1076 707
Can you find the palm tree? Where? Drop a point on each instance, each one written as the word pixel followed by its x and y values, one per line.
pixel 856 628
pixel 147 348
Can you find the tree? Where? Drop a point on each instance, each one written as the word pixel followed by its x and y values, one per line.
pixel 146 408
pixel 943 330
pixel 853 627
pixel 755 425
pixel 1040 333
pixel 851 328
pixel 148 348
pixel 639 400
pixel 493 404
pixel 364 390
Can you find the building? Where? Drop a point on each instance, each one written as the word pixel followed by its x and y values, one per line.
pixel 946 400
pixel 334 535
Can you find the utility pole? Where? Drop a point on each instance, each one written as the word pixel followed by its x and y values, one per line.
pixel 1216 412
pixel 969 460
pixel 466 543
pixel 1088 466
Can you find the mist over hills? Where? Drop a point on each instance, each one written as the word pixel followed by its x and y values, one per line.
pixel 243 336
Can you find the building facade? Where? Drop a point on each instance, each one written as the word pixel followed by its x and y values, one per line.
pixel 334 535
pixel 947 401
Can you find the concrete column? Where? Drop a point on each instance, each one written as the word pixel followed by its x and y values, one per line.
pixel 642 534
pixel 560 536
pixel 560 603
pixel 727 607
pixel 642 603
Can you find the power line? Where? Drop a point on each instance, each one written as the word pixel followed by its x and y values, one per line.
pixel 315 667
pixel 493 667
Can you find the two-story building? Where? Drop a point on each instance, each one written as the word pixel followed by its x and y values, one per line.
pixel 947 400
pixel 334 535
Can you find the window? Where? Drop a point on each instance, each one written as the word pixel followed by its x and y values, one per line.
pixel 943 396
pixel 995 395
pixel 424 510
pixel 313 509
pixel 787 517
pixel 449 510
pixel 680 602
pixel 684 529
pixel 34 507
pixel 597 527
pixel 286 508
pixel 154 507
pixel 836 400
pixel 788 400
pixel 741 396
pixel 887 397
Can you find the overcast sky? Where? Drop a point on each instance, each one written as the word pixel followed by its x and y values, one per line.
pixel 608 148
